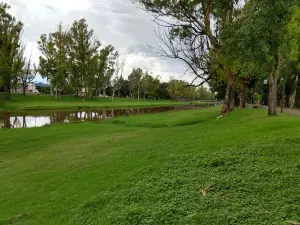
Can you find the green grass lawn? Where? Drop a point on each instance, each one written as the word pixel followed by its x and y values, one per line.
pixel 40 102
pixel 150 169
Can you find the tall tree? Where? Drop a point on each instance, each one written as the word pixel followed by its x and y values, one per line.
pixel 54 60
pixel 81 49
pixel 106 60
pixel 135 80
pixel 10 49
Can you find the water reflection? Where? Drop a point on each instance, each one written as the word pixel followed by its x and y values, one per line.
pixel 39 119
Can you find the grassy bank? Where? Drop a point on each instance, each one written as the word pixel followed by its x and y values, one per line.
pixel 150 169
pixel 40 102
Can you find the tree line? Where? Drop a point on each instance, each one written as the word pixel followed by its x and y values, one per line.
pixel 235 46
pixel 75 62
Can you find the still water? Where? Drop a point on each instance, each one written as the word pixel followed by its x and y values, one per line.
pixel 40 118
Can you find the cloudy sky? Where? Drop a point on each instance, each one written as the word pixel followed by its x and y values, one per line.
pixel 117 22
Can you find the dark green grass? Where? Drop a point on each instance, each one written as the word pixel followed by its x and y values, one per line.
pixel 44 102
pixel 150 169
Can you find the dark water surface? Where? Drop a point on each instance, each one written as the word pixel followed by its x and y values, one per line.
pixel 40 118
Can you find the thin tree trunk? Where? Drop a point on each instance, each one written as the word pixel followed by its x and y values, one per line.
pixel 56 93
pixel 139 95
pixel 24 89
pixel 228 105
pixel 90 93
pixel 113 96
pixel 242 93
pixel 287 101
pixel 297 97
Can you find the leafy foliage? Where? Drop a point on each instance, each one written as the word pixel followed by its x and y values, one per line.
pixel 10 49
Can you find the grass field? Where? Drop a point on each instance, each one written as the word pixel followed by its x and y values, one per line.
pixel 152 169
pixel 40 102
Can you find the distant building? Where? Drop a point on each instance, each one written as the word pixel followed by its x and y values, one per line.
pixel 31 88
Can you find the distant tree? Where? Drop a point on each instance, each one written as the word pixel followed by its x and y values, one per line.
pixel 106 60
pixel 54 60
pixel 117 75
pixel 10 49
pixel 28 73
pixel 288 80
pixel 135 80
pixel 149 85
pixel 204 94
pixel 176 88
pixel 82 50
pixel 162 91
pixel 125 89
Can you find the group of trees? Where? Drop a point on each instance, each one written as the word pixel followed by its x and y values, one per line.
pixel 230 44
pixel 14 66
pixel 179 89
pixel 75 62
pixel 74 58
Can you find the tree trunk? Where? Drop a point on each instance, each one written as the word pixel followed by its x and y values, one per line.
pixel 297 97
pixel 90 92
pixel 228 105
pixel 272 100
pixel 242 93
pixel 138 95
pixel 56 93
pixel 24 89
pixel 273 77
pixel 287 101
pixel 7 92
pixel 113 96
pixel 7 121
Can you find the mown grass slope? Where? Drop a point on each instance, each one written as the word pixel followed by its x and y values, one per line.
pixel 152 169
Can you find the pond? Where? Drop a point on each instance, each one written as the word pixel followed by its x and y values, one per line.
pixel 42 118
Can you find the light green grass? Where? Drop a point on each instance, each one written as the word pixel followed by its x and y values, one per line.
pixel 40 102
pixel 150 169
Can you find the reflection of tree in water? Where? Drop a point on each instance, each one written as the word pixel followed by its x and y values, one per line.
pixel 72 116
pixel 16 123
pixel 24 122
pixel 6 121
